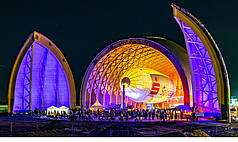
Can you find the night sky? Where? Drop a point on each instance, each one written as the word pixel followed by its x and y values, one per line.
pixel 82 28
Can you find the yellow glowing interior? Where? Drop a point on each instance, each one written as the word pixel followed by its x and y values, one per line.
pixel 105 79
pixel 140 77
pixel 141 85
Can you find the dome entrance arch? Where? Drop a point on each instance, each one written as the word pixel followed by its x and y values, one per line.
pixel 103 76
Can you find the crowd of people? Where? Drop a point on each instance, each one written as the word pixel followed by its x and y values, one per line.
pixel 116 114
pixel 135 114
pixel 113 114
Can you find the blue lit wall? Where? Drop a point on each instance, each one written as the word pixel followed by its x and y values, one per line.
pixel 43 76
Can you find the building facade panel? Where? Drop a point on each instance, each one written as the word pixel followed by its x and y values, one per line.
pixel 41 77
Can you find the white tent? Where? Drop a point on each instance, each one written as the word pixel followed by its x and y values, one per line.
pixel 97 105
pixel 54 109
pixel 51 109
pixel 65 109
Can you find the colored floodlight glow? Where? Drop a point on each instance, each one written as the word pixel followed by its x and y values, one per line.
pixel 142 82
pixel 103 83
pixel 202 71
pixel 41 81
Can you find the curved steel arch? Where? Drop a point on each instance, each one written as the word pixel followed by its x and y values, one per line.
pixel 211 87
pixel 96 78
pixel 37 38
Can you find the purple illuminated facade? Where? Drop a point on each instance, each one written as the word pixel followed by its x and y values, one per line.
pixel 202 71
pixel 210 82
pixel 41 80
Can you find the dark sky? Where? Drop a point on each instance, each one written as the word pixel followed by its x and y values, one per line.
pixel 82 28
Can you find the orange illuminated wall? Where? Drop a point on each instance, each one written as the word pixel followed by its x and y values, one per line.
pixel 104 81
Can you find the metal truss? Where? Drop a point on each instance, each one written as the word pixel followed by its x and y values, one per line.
pixel 202 71
pixel 42 77
pixel 56 87
pixel 104 81
pixel 27 81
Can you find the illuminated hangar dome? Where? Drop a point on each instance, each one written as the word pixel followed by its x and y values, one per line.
pixel 160 72
pixel 140 60
pixel 40 78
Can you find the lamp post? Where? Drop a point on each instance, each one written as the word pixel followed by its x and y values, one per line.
pixel 125 82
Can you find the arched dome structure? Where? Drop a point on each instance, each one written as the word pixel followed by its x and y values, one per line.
pixel 210 82
pixel 197 71
pixel 41 77
pixel 102 79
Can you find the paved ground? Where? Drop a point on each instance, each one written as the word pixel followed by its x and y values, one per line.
pixel 26 126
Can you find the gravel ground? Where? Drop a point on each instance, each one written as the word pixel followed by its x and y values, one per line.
pixel 27 126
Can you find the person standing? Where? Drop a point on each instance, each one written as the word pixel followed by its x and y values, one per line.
pixel 145 114
pixel 137 115
pixel 140 115
pixel 169 115
pixel 161 115
pixel 150 114
pixel 127 115
pixel 121 116
pixel 153 115
pixel 165 115
pixel 175 115
pixel 157 115
pixel 181 115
